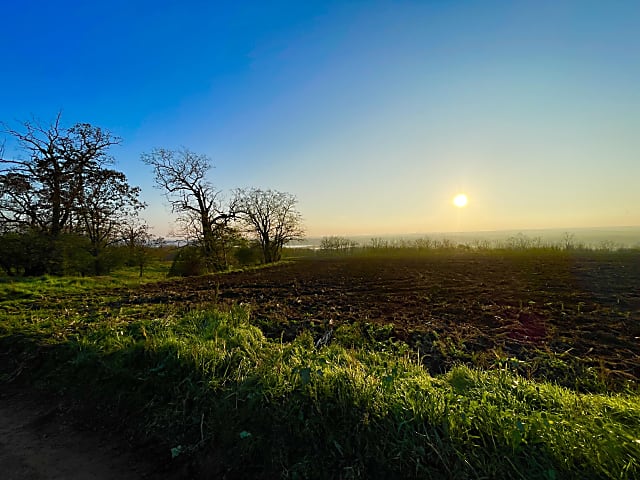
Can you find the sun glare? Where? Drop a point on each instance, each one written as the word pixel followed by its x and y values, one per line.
pixel 460 200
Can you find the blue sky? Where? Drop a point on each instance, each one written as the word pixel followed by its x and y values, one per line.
pixel 373 113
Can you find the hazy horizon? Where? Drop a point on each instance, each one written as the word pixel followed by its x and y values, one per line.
pixel 374 114
pixel 596 228
pixel 620 236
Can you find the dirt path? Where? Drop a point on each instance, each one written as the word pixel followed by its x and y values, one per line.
pixel 41 440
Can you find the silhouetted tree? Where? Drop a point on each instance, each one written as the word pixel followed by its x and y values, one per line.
pixel 139 241
pixel 181 174
pixel 271 218
pixel 63 187
pixel 337 244
pixel 42 190
pixel 106 208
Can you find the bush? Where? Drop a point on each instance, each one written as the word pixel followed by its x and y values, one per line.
pixel 188 262
pixel 23 254
pixel 249 254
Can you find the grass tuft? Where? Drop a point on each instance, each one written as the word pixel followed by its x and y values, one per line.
pixel 211 385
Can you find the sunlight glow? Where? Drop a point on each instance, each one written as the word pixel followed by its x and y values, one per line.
pixel 460 200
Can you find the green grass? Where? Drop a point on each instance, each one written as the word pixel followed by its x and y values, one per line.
pixel 48 284
pixel 211 386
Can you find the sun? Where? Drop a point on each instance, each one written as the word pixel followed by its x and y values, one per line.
pixel 460 200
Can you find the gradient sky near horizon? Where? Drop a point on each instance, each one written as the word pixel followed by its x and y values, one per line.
pixel 375 114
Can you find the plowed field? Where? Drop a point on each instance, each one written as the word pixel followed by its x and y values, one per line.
pixel 574 319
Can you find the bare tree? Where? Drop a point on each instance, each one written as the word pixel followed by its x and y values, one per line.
pixel 337 244
pixel 107 206
pixel 42 190
pixel 182 175
pixel 271 217
pixel 139 241
pixel 63 186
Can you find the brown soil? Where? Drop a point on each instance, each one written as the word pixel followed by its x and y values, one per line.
pixel 485 306
pixel 45 438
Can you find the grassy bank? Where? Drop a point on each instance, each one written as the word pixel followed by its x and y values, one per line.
pixel 214 390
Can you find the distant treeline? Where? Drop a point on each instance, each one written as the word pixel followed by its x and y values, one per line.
pixel 518 242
